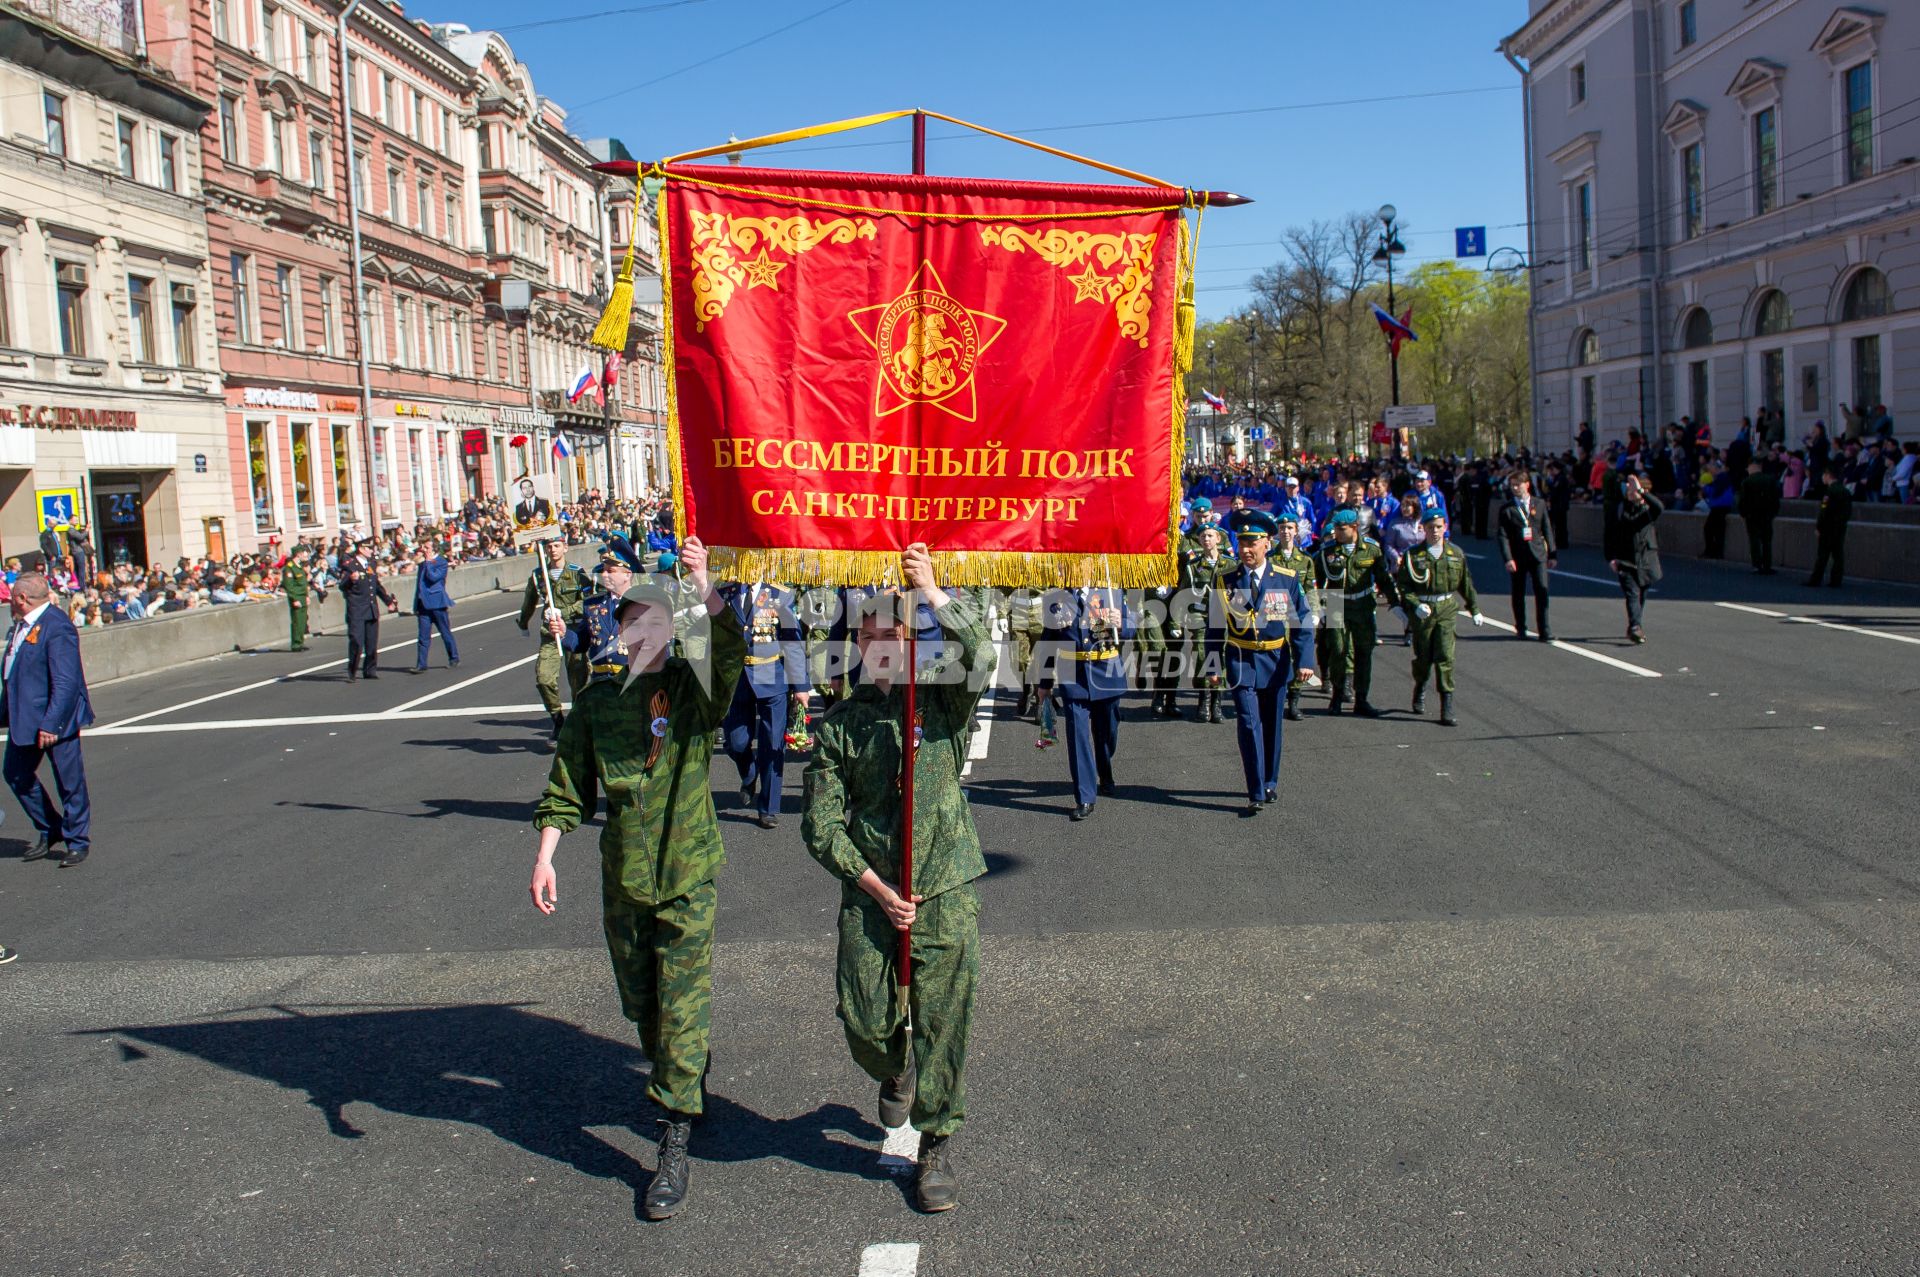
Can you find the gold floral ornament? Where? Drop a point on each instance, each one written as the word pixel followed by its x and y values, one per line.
pixel 1117 268
pixel 730 251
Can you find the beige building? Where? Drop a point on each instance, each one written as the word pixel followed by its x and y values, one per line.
pixel 110 404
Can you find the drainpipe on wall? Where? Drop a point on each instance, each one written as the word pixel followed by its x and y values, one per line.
pixel 360 322
pixel 1526 133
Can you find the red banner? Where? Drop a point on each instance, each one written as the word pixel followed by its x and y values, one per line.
pixel 861 361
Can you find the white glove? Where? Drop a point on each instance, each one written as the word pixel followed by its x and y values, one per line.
pixel 1423 611
pixel 1479 619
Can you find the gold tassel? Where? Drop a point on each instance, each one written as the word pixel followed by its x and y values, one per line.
pixel 611 332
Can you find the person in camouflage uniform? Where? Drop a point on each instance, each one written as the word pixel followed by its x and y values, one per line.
pixel 570 590
pixel 1201 570
pixel 1287 555
pixel 298 586
pixel 852 827
pixel 1430 576
pixel 1158 646
pixel 1023 627
pixel 1348 568
pixel 647 746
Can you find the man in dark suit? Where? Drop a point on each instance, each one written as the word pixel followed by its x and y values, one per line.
pixel 43 695
pixel 1633 552
pixel 532 509
pixel 1759 505
pixel 431 603
pixel 360 587
pixel 1526 544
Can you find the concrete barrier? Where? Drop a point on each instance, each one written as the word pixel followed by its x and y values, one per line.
pixel 1878 548
pixel 140 647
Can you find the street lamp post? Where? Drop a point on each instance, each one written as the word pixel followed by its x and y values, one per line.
pixel 1390 248
pixel 1213 380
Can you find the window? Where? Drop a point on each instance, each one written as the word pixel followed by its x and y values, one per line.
pixel 373 336
pixel 56 123
pixel 1576 84
pixel 415 472
pixel 140 335
pixel 1693 201
pixel 6 326
pixel 342 474
pixel 1698 330
pixel 312 61
pixel 300 434
pixel 1689 24
pixel 396 197
pixel 184 344
pixel 1866 372
pixel 169 163
pixel 316 160
pixel 451 227
pixel 1766 160
pixel 423 207
pixel 1810 388
pixel 128 134
pixel 329 316
pixel 1773 316
pixel 242 298
pixel 403 331
pixel 391 100
pixel 220 25
pixel 1583 227
pixel 486 232
pixel 1773 380
pixel 71 286
pixel 269 35
pixel 1697 390
pixel 229 128
pixel 433 338
pixel 1589 347
pixel 1859 124
pixel 1867 297
pixel 259 476
pixel 486 146
pixel 360 183
pixel 276 132
pixel 288 285
pixel 1589 403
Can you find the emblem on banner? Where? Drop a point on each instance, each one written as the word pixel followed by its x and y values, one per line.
pixel 929 344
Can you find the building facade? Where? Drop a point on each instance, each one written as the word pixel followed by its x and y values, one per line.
pixel 386 386
pixel 110 411
pixel 1724 209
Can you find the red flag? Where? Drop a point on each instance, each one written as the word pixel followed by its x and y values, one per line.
pixel 859 361
pixel 611 377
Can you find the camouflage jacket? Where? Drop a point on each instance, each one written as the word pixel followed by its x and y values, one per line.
pixel 1351 574
pixel 647 747
pixel 571 587
pixel 1425 579
pixel 853 779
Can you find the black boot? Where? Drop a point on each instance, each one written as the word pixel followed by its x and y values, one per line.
pixel 668 1191
pixel 1171 709
pixel 1026 700
pixel 559 719
pixel 1446 711
pixel 1337 697
pixel 1420 698
pixel 1200 710
pixel 1293 704
pixel 1213 707
pixel 1364 708
pixel 934 1185
pixel 896 1094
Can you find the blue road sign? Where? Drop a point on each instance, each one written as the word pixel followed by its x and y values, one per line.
pixel 1256 433
pixel 1470 241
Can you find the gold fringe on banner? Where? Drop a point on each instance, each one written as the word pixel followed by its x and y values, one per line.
pixel 1011 569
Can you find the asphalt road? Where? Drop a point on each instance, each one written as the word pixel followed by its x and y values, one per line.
pixel 1619 976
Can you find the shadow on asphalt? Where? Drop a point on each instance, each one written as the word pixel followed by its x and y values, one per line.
pixel 519 811
pixel 493 1065
pixel 492 745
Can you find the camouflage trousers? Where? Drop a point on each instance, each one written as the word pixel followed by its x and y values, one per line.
pixel 1349 650
pixel 297 623
pixel 946 969
pixel 1433 648
pixel 546 673
pixel 662 961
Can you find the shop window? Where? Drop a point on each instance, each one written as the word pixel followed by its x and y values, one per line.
pixel 71 283
pixel 140 334
pixel 342 474
pixel 259 476
pixel 301 435
pixel 185 344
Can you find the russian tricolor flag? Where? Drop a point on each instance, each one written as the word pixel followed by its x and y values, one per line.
pixel 561 448
pixel 1397 330
pixel 1219 404
pixel 583 382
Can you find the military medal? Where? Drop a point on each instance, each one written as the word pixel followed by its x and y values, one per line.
pixel 657 709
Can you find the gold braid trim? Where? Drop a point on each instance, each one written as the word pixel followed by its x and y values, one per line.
pixel 1012 569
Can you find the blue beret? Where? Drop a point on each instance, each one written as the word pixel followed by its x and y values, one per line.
pixel 1343 518
pixel 1201 503
pixel 1434 516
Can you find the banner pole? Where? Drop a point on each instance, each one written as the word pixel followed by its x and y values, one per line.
pixel 908 743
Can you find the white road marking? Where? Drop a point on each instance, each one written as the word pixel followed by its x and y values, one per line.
pixel 287 678
pixel 1553 572
pixel 902 1149
pixel 983 713
pixel 1577 650
pixel 312 720
pixel 477 678
pixel 890 1259
pixel 1825 625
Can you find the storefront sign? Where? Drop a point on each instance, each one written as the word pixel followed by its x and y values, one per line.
pixel 526 418
pixel 343 405
pixel 51 417
pixel 412 410
pixel 473 443
pixel 460 414
pixel 280 397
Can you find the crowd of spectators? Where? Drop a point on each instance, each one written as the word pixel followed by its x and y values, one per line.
pixel 95 593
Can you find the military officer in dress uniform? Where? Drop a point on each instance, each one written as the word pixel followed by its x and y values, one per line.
pixel 1264 607
pixel 1201 571
pixel 1430 576
pixel 570 590
pixel 1079 653
pixel 1284 552
pixel 360 588
pixel 1348 569
pixel 776 673
pixel 596 635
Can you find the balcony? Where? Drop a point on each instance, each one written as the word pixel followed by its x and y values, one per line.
pixel 108 24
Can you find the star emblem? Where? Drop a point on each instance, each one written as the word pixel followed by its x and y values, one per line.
pixel 928 343
pixel 763 271
pixel 1089 286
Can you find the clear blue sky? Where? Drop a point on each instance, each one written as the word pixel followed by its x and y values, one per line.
pixel 1030 65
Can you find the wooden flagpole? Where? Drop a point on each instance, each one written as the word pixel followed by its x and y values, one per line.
pixel 909 745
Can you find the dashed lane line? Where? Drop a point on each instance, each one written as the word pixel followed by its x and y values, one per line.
pixel 1825 625
pixel 464 683
pixel 316 720
pixel 283 678
pixel 1553 572
pixel 1577 650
